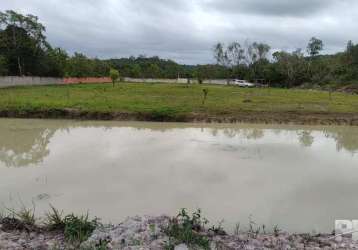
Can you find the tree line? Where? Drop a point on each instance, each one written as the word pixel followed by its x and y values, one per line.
pixel 24 51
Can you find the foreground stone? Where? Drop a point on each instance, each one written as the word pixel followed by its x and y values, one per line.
pixel 22 239
pixel 148 233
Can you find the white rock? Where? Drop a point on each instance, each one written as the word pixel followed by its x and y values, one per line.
pixel 181 247
pixel 338 239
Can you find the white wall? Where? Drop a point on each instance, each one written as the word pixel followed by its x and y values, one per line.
pixel 152 80
pixel 9 81
pixel 180 80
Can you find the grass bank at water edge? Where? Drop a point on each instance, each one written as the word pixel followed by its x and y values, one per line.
pixel 179 102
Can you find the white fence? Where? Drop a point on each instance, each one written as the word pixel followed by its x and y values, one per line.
pixel 9 81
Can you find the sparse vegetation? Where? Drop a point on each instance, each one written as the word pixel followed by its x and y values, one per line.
pixel 188 230
pixel 24 215
pixel 276 230
pixel 205 95
pixel 76 229
pixel 54 219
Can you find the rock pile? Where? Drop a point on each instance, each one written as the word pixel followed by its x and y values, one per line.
pixel 141 233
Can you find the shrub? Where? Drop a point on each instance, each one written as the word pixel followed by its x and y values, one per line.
pixel 79 228
pixel 187 229
pixel 163 114
pixel 75 228
pixel 114 75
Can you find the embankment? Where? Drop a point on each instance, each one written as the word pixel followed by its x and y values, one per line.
pixel 297 118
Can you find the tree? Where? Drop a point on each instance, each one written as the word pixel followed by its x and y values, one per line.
pixel 3 66
pixel 22 41
pixel 54 63
pixel 292 66
pixel 262 50
pixel 257 57
pixel 153 71
pixel 314 47
pixel 352 53
pixel 135 70
pixel 79 66
pixel 236 54
pixel 222 56
pixel 114 74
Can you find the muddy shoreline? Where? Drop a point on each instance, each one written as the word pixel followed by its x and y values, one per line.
pixel 256 117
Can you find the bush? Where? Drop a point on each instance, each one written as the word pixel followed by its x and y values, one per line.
pixel 163 114
pixel 187 229
pixel 78 229
pixel 75 228
pixel 114 75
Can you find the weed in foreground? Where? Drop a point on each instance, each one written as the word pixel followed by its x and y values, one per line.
pixel 79 228
pixel 188 230
pixel 75 228
pixel 54 219
pixel 218 230
pixel 24 218
pixel 276 231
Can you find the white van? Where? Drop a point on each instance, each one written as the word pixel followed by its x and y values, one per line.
pixel 242 83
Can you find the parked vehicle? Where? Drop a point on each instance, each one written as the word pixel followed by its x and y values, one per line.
pixel 242 83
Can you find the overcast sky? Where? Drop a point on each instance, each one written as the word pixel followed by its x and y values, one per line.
pixel 186 30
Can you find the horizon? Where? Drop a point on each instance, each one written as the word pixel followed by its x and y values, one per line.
pixel 142 28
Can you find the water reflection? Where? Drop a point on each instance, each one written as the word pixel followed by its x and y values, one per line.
pixel 26 142
pixel 23 146
pixel 294 176
pixel 305 138
pixel 345 139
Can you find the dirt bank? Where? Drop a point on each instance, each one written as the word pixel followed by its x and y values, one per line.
pixel 294 117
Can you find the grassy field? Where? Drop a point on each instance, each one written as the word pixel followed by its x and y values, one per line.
pixel 174 100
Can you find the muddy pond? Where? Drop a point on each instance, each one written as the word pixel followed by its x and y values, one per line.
pixel 298 177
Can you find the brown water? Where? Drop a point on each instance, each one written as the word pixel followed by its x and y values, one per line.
pixel 301 178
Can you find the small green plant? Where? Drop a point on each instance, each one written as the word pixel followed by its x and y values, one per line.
pixel 237 229
pixel 114 75
pixel 79 228
pixel 163 114
pixel 102 245
pixel 153 231
pixel 75 228
pixel 24 214
pixel 276 230
pixel 2 215
pixel 254 230
pixel 54 219
pixel 205 95
pixel 188 230
pixel 218 230
pixel 264 229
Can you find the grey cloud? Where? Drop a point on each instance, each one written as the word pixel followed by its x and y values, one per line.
pixel 272 7
pixel 187 30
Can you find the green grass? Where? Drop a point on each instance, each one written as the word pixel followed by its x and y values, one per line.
pixel 172 100
pixel 75 228
pixel 24 214
pixel 187 229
